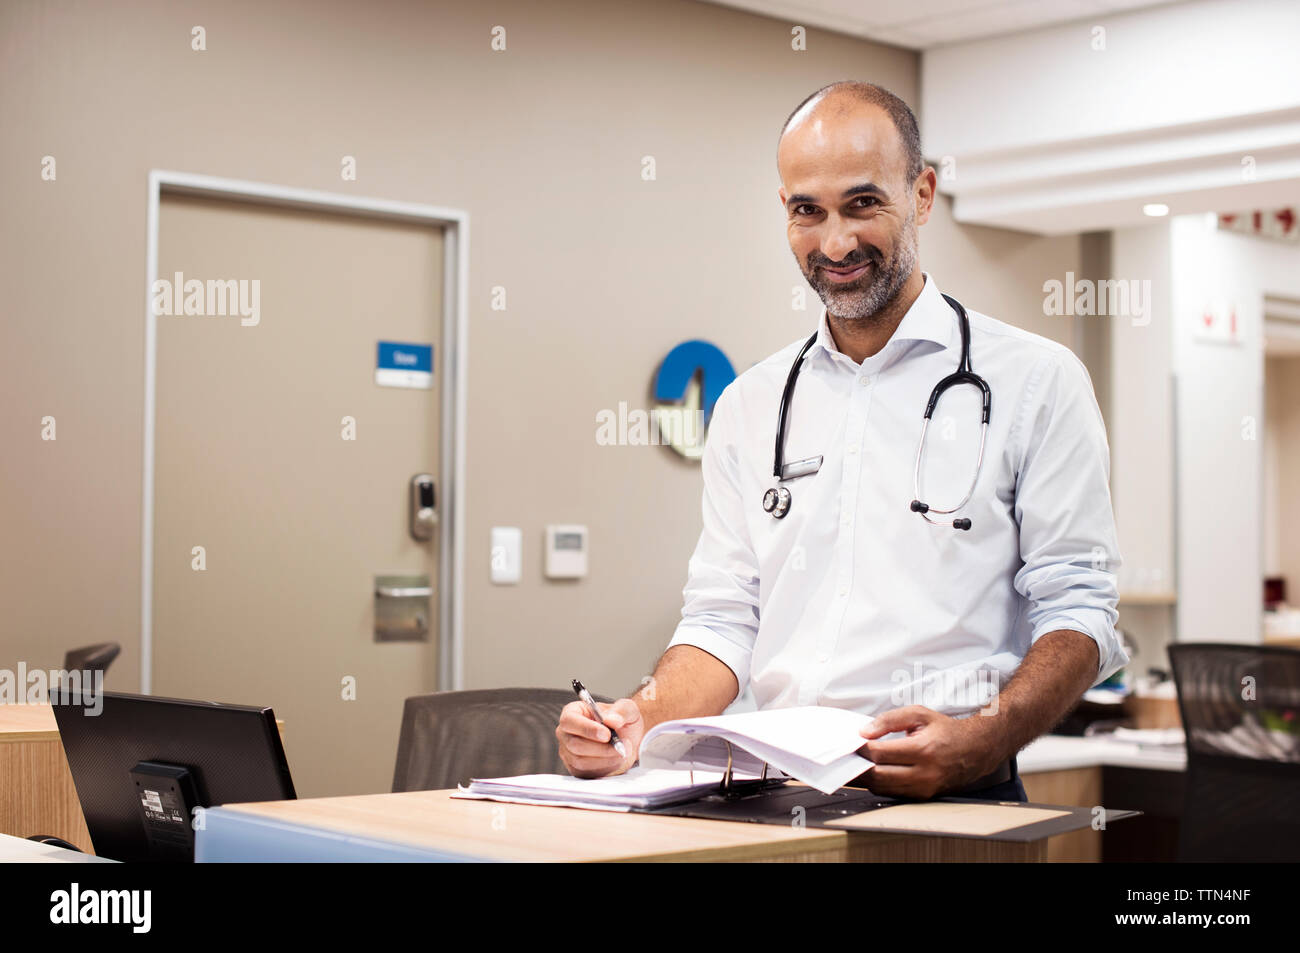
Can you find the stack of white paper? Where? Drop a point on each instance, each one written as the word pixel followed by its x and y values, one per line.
pixel 1155 737
pixel 638 787
pixel 816 745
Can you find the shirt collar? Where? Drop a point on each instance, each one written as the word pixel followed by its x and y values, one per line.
pixel 930 318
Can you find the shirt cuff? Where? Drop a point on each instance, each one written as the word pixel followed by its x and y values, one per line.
pixel 734 656
pixel 1096 624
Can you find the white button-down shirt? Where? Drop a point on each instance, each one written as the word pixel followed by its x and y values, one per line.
pixel 853 600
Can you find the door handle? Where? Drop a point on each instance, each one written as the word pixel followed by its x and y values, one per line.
pixel 402 608
pixel 404 592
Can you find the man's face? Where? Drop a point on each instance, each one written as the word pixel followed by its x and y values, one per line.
pixel 851 211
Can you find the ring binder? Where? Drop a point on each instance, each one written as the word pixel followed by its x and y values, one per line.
pixel 731 789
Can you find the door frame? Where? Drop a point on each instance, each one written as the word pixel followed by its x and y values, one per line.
pixel 455 342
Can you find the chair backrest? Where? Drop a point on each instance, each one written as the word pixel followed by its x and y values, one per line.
pixel 96 657
pixel 449 737
pixel 1240 706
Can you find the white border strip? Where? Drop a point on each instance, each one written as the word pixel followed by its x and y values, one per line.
pixel 455 341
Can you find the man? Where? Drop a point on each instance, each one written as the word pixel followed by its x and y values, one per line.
pixel 964 644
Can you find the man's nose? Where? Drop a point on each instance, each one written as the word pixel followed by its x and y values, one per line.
pixel 839 244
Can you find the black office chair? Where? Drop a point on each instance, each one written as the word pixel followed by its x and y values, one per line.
pixel 53 841
pixel 1240 706
pixel 449 737
pixel 96 658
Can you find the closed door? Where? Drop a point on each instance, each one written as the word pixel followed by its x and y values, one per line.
pixel 283 471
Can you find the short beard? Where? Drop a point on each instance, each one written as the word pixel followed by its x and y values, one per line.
pixel 865 304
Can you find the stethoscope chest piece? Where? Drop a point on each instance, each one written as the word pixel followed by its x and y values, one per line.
pixel 777 501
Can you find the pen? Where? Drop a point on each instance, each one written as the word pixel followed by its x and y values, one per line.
pixel 595 713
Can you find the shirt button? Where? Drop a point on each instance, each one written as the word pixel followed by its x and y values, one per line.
pixel 823 657
pixel 852 448
pixel 844 590
pixel 864 381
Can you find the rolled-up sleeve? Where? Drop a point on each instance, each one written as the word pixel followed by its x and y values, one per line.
pixel 1067 525
pixel 720 605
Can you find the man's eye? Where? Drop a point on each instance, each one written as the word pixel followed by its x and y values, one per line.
pixel 869 199
pixel 799 209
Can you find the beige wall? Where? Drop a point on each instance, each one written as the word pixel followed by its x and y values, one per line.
pixel 542 145
pixel 1140 423
pixel 1281 451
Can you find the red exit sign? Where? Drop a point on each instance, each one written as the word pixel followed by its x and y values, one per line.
pixel 1282 223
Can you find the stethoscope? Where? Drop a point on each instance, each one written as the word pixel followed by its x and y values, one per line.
pixel 777 499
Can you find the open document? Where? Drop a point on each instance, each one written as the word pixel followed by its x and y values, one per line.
pixel 815 745
pixel 686 759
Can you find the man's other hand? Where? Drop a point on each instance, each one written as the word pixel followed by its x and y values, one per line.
pixel 939 752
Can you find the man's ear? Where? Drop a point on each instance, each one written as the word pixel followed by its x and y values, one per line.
pixel 923 194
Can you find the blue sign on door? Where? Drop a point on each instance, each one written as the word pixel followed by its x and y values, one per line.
pixel 404 365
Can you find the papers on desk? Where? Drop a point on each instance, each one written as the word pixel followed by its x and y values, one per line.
pixel 639 787
pixel 1153 737
pixel 686 759
pixel 1253 739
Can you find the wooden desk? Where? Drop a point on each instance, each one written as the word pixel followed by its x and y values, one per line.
pixel 431 825
pixel 1083 772
pixel 37 795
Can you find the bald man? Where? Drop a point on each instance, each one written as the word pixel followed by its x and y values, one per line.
pixel 963 643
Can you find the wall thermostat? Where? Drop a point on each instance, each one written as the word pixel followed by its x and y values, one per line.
pixel 566 552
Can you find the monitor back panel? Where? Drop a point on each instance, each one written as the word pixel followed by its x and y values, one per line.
pixel 234 753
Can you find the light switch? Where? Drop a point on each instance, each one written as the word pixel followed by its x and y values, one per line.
pixel 507 555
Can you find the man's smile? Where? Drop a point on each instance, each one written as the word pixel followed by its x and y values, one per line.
pixel 842 275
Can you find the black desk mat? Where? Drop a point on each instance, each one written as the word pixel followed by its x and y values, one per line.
pixel 779 804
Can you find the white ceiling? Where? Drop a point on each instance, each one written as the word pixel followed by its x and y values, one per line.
pixel 921 24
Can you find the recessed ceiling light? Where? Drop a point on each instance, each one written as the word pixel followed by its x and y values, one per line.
pixel 1155 209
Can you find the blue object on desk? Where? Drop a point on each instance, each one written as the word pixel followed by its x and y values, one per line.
pixel 239 837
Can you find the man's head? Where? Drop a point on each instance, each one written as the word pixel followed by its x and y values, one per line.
pixel 855 189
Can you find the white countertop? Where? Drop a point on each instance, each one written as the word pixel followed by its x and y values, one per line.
pixel 1060 753
pixel 16 850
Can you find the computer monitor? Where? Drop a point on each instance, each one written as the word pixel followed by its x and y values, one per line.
pixel 142 764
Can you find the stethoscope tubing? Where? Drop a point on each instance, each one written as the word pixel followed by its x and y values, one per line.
pixel 778 458
pixel 777 499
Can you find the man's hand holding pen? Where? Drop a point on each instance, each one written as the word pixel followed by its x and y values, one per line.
pixel 585 743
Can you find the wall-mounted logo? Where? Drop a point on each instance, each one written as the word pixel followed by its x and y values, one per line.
pixel 689 382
